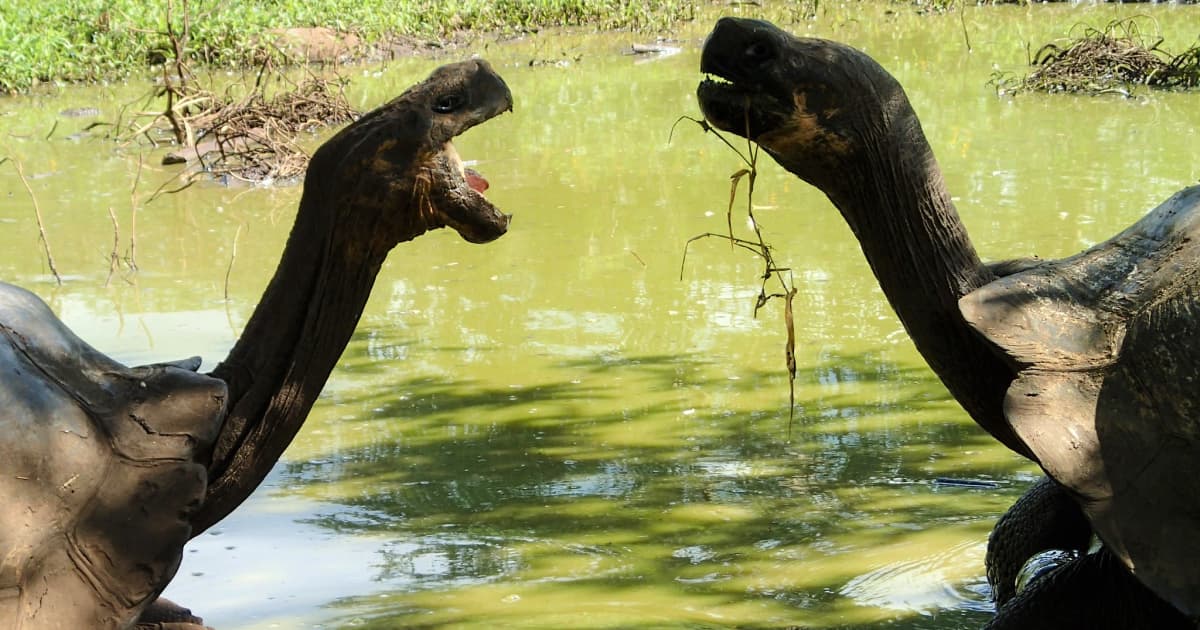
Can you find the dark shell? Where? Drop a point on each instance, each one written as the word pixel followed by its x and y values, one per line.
pixel 1108 394
pixel 98 469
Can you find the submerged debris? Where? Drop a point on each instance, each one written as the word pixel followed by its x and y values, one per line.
pixel 1106 61
pixel 254 138
pixel 250 138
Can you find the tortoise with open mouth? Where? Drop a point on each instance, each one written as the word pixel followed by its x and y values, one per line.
pixel 106 470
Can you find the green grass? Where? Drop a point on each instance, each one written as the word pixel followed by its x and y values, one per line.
pixel 93 40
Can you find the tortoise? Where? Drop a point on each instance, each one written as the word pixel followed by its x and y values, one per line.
pixel 1086 365
pixel 106 471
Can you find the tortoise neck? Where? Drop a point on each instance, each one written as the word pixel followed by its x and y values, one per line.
pixel 898 207
pixel 910 232
pixel 283 358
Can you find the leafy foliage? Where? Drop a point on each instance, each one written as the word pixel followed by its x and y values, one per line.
pixel 91 40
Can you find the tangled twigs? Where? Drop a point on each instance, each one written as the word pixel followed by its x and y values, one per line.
pixel 250 138
pixel 253 138
pixel 760 248
pixel 1106 61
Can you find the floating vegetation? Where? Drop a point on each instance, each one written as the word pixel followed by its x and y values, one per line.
pixel 1108 61
pixel 760 248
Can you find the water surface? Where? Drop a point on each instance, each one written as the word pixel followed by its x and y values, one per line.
pixel 555 430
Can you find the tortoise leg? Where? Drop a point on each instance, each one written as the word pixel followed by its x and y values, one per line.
pixel 1092 592
pixel 1044 518
pixel 164 614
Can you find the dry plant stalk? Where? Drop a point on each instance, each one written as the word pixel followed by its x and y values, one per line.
pixel 136 205
pixel 232 258
pixel 761 249
pixel 114 257
pixel 131 260
pixel 37 212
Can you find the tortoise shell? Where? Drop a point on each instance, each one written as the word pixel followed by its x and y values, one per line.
pixel 1108 390
pixel 100 469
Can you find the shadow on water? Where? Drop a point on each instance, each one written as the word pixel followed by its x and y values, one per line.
pixel 656 509
pixel 555 431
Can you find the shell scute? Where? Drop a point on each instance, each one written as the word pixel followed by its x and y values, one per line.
pixel 100 466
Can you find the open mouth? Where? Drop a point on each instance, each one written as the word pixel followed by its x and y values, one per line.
pixel 727 103
pixel 475 180
pixel 470 176
pixel 739 92
pixel 746 107
pixel 715 90
pixel 459 201
pixel 730 107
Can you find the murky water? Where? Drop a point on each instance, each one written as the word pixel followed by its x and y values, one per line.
pixel 555 430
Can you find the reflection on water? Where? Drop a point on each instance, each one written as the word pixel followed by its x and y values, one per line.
pixel 278 557
pixel 554 430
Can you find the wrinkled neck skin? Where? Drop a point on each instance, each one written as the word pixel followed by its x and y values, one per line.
pixel 898 207
pixel 291 343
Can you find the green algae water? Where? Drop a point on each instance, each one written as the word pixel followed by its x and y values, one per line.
pixel 557 430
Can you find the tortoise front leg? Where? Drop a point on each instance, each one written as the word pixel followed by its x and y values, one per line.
pixel 1044 518
pixel 1092 592
pixel 164 614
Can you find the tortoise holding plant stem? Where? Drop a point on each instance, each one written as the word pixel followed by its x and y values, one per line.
pixel 106 471
pixel 1089 365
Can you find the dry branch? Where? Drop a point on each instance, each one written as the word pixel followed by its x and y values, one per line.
pixel 37 212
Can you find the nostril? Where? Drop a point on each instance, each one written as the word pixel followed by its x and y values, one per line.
pixel 758 52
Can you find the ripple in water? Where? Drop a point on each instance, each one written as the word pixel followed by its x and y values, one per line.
pixel 927 585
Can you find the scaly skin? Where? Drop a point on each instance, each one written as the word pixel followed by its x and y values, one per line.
pixel 835 118
pixel 1043 518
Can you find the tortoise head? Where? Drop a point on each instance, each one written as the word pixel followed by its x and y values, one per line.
pixel 395 174
pixel 816 106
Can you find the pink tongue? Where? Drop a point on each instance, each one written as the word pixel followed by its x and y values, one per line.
pixel 476 181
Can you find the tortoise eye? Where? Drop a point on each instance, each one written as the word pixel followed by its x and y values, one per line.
pixel 759 52
pixel 448 103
